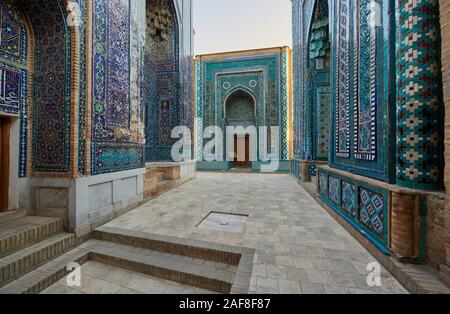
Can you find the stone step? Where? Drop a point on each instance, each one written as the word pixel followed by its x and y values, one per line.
pixel 11 215
pixel 46 275
pixel 169 172
pixel 20 233
pixel 55 213
pixel 153 180
pixel 15 265
pixel 184 247
pixel 210 266
pixel 153 190
pixel 153 173
pixel 198 273
pixel 213 276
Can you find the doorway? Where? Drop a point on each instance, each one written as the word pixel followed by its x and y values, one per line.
pixel 245 141
pixel 5 126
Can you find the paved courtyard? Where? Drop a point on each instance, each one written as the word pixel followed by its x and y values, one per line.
pixel 299 247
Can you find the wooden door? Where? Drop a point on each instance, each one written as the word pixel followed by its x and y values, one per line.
pixel 4 162
pixel 246 163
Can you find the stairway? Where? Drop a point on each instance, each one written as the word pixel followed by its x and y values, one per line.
pixel 27 242
pixel 209 266
pixel 156 182
pixel 195 263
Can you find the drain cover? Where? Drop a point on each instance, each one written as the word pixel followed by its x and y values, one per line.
pixel 224 222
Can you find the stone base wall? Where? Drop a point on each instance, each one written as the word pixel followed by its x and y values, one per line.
pixel 88 202
pixel 174 170
pixel 283 167
pixel 407 223
pixel 162 177
pixel 214 165
pixel 436 231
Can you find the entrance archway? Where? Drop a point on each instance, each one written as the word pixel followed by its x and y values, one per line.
pixel 318 84
pixel 161 78
pixel 240 111
pixel 38 75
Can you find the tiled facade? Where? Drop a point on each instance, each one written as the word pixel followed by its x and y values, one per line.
pixel 384 168
pixel 264 76
pixel 311 55
pixel 419 90
pixel 74 80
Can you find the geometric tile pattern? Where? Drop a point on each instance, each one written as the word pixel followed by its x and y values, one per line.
pixel 51 84
pixel 111 66
pixel 371 211
pixel 365 86
pixel 349 198
pixel 109 157
pixel 312 170
pixel 361 62
pixel 419 88
pixel 14 34
pixel 198 110
pixel 114 147
pixel 343 80
pixel 356 202
pixel 334 190
pixel 51 89
pixel 14 100
pixel 188 94
pixel 82 125
pixel 284 107
pixel 296 81
pixel 323 183
pixel 323 122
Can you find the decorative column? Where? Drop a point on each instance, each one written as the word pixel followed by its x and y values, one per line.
pixel 420 109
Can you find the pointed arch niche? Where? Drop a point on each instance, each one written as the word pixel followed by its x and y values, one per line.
pixel 318 93
pixel 161 78
pixel 40 84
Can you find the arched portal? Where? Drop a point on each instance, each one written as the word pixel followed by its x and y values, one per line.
pixel 240 111
pixel 14 73
pixel 161 78
pixel 318 85
pixel 36 81
pixel 52 81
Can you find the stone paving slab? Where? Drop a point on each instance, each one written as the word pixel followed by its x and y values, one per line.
pixel 299 247
pixel 99 278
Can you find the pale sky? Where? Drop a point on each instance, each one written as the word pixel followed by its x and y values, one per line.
pixel 230 25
